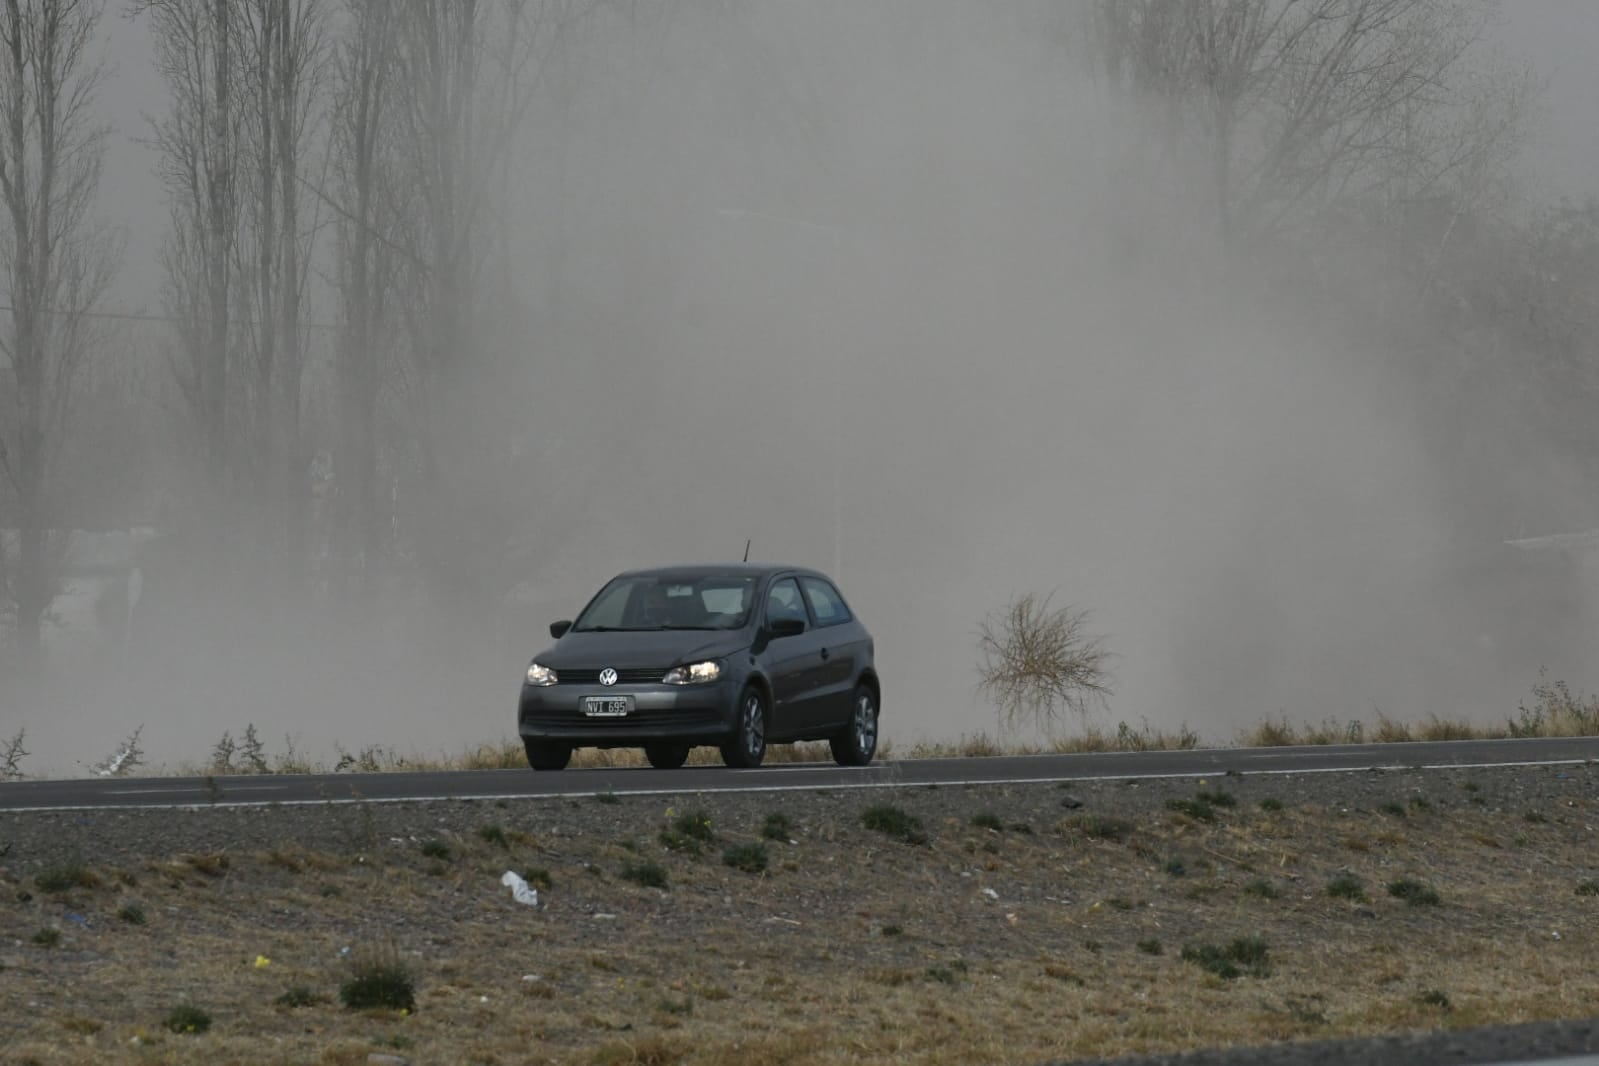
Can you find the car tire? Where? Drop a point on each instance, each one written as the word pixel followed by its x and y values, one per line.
pixel 856 745
pixel 547 754
pixel 747 748
pixel 666 756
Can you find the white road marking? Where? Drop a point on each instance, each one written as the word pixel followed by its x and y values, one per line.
pixel 960 783
pixel 192 788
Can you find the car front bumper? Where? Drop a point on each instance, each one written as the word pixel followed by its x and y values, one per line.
pixel 693 713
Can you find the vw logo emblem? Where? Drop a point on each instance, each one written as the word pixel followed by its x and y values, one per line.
pixel 607 676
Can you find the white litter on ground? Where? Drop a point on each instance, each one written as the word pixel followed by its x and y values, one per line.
pixel 520 890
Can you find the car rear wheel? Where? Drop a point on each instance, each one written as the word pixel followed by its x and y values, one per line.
pixel 666 756
pixel 748 746
pixel 547 754
pixel 856 745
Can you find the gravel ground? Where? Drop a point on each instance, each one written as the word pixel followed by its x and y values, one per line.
pixel 103 836
pixel 1556 807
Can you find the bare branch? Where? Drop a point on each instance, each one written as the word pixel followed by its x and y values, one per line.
pixel 11 755
pixel 1299 103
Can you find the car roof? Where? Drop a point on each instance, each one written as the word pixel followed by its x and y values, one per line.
pixel 686 570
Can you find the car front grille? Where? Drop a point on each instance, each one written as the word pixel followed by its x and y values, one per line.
pixel 647 676
pixel 641 717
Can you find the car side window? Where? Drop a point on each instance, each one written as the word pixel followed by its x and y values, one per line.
pixel 826 604
pixel 783 601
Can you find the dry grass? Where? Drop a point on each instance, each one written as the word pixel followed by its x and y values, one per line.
pixel 1553 712
pixel 505 754
pixel 981 945
pixel 508 754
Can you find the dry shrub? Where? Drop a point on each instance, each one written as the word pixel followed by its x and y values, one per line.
pixel 11 755
pixel 1271 734
pixel 650 1051
pixel 502 755
pixel 379 979
pixel 1037 663
pixel 1436 728
pixel 1332 731
pixel 1391 731
pixel 1556 712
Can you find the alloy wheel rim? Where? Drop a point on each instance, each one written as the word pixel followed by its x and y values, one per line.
pixel 754 728
pixel 865 724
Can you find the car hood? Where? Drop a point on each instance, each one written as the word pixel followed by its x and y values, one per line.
pixel 639 650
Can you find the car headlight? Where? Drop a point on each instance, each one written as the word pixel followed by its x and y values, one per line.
pixel 538 674
pixel 693 673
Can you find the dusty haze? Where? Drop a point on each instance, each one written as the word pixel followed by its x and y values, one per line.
pixel 892 290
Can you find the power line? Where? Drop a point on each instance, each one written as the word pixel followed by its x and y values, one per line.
pixel 137 316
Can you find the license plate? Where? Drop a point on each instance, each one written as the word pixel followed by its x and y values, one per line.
pixel 607 706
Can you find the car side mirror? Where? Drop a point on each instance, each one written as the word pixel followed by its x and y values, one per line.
pixel 786 627
pixel 558 629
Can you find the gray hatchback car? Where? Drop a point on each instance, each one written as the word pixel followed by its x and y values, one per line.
pixel 736 656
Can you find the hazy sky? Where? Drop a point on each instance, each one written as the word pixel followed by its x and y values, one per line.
pixel 1557 37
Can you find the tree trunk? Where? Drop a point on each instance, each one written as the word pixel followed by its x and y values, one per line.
pixel 364 286
pixel 268 432
pixel 34 586
pixel 292 460
pixel 32 592
pixel 220 223
pixel 1222 159
pixel 357 470
pixel 6 591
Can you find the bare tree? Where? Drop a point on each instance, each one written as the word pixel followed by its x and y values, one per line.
pixel 6 602
pixel 280 62
pixel 7 415
pixel 58 261
pixel 365 221
pixel 257 249
pixel 199 142
pixel 1298 103
pixel 464 78
pixel 11 755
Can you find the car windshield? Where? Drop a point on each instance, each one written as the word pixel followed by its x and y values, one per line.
pixel 655 601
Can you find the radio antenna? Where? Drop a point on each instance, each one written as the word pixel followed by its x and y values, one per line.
pixel 746 551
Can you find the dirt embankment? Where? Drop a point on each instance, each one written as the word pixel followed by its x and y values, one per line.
pixel 960 925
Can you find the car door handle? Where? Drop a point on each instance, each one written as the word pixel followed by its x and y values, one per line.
pixel 824 653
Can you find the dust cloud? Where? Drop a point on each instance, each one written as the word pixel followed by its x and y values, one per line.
pixel 896 290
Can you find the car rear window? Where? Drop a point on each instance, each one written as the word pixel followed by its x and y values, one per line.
pixel 826 604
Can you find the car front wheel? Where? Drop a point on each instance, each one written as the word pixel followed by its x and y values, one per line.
pixel 747 747
pixel 547 754
pixel 856 745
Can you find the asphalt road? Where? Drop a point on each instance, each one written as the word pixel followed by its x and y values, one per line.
pixel 101 793
pixel 1568 1043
